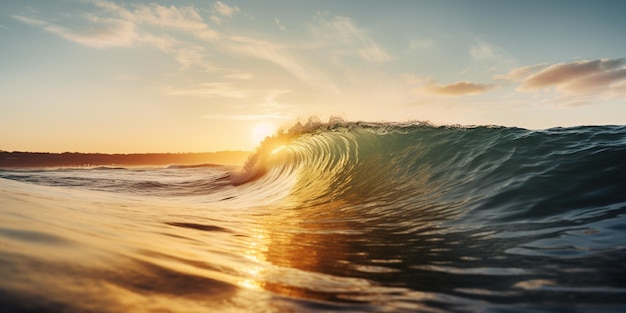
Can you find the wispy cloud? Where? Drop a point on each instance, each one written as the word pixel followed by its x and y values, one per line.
pixel 225 10
pixel 99 33
pixel 269 100
pixel 246 117
pixel 490 53
pixel 520 73
pixel 116 26
pixel 484 50
pixel 178 31
pixel 260 100
pixel 210 90
pixel 31 21
pixel 279 25
pixel 458 89
pixel 274 53
pixel 342 30
pixel 430 86
pixel 221 10
pixel 184 19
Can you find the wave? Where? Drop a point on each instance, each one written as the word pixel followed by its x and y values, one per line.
pixel 338 216
pixel 502 172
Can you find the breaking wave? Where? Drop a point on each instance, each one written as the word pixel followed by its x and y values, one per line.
pixel 338 216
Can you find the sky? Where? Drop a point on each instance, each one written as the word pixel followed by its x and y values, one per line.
pixel 194 76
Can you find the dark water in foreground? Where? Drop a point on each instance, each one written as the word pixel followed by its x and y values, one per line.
pixel 347 217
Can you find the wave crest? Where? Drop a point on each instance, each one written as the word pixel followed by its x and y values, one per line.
pixel 511 171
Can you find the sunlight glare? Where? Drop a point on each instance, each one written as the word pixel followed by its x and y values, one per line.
pixel 277 149
pixel 261 131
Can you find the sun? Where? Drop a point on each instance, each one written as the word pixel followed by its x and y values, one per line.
pixel 262 130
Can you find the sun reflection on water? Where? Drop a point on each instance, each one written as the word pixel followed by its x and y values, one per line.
pixel 254 275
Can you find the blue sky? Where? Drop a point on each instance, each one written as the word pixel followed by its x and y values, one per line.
pixel 144 76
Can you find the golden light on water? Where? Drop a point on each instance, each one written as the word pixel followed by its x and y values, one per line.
pixel 277 149
pixel 253 276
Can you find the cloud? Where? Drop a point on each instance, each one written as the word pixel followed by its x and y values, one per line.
pixel 280 26
pixel 429 85
pixel 489 52
pixel 458 89
pixel 210 90
pixel 216 19
pixel 341 30
pixel 483 50
pixel 276 54
pixel 184 19
pixel 99 33
pixel 181 33
pixel 619 89
pixel 519 74
pixel 223 10
pixel 261 105
pixel 599 80
pixel 601 76
pixel 246 117
pixel 30 21
pixel 269 99
pixel 115 26
pixel 567 73
pixel 576 103
pixel 575 83
pixel 192 55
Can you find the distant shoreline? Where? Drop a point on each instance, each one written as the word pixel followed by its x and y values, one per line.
pixel 19 159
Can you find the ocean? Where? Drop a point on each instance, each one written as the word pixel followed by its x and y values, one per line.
pixel 331 217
